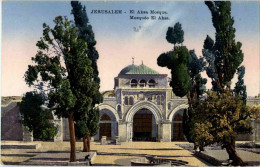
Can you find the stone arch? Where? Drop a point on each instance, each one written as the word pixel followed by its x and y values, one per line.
pixel 176 117
pixel 111 123
pixel 133 83
pixel 176 109
pixel 111 109
pixel 147 105
pixel 142 83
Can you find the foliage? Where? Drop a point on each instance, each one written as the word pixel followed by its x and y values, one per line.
pixel 240 88
pixel 37 118
pixel 63 65
pixel 219 119
pixel 86 33
pixel 197 88
pixel 222 116
pixel 177 61
pixel 255 110
pixel 88 127
pixel 185 68
pixel 224 55
pixel 93 121
pixel 175 35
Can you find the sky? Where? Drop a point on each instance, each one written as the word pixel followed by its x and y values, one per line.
pixel 119 38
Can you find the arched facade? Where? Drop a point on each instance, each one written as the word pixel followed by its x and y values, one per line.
pixel 106 125
pixel 147 105
pixel 129 116
pixel 176 109
pixel 140 104
pixel 110 108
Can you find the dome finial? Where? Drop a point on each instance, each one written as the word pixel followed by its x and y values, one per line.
pixel 142 62
pixel 133 60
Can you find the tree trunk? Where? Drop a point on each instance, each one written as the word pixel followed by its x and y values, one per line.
pixel 85 144
pixel 72 138
pixel 88 140
pixel 231 150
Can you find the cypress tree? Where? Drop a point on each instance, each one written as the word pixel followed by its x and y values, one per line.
pixel 86 33
pixel 224 55
pixel 221 116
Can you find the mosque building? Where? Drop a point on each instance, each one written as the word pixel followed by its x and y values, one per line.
pixel 141 107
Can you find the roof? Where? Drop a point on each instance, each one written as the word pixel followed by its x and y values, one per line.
pixel 141 69
pixel 7 99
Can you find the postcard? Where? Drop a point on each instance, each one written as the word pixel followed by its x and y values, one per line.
pixel 116 82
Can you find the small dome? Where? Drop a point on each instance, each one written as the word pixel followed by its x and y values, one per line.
pixel 141 69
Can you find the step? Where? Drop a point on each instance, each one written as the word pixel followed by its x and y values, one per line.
pixel 20 145
pixel 60 158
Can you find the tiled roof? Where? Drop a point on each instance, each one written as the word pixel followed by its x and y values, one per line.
pixel 141 69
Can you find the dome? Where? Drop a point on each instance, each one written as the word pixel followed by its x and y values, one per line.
pixel 141 69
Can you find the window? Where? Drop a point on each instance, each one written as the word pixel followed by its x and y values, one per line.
pixel 158 100
pixel 142 83
pixel 119 108
pixel 133 83
pixel 151 83
pixel 169 106
pixel 131 101
pixel 119 111
pixel 126 100
pixel 162 100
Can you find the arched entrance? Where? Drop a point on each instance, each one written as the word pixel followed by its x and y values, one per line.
pixel 176 116
pixel 178 128
pixel 150 108
pixel 105 126
pixel 108 124
pixel 144 126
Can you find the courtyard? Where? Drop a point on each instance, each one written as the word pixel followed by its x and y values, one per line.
pixel 107 155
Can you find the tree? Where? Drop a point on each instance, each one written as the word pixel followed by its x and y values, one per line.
pixel 197 88
pixel 224 55
pixel 222 116
pixel 177 61
pixel 219 119
pixel 240 88
pixel 86 33
pixel 175 35
pixel 36 117
pixel 87 128
pixel 185 68
pixel 62 63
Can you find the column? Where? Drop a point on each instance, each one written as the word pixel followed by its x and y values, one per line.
pixel 27 135
pixel 166 131
pixel 59 135
pixel 122 131
pixel 129 131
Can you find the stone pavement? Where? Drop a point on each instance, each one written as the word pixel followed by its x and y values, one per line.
pixel 107 154
pixel 252 159
pixel 124 153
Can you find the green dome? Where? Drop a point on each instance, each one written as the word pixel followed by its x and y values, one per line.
pixel 133 69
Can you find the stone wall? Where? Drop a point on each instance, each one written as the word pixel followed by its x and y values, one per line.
pixel 7 107
pixel 11 126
